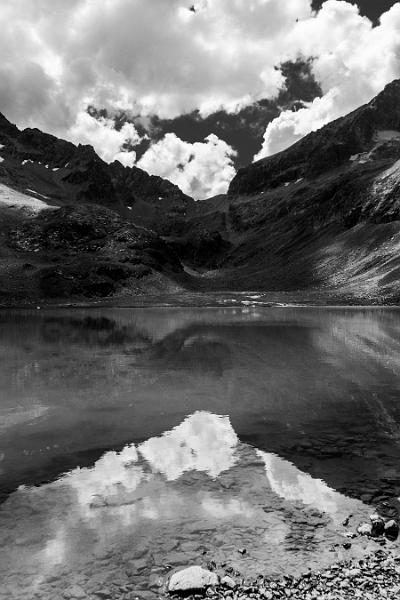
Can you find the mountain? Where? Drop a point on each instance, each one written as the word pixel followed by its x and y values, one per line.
pixel 319 221
pixel 323 216
pixel 72 226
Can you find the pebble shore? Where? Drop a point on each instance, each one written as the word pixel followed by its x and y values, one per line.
pixel 374 577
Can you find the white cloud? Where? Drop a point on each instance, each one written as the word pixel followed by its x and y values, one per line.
pixel 150 56
pixel 202 169
pixel 291 126
pixel 352 61
pixel 153 56
pixel 105 139
pixel 144 56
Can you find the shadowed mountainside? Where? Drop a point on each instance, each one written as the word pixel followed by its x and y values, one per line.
pixel 321 218
pixel 321 215
pixel 67 227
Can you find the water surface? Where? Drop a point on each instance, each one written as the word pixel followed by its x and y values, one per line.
pixel 134 441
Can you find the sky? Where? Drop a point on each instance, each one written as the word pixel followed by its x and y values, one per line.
pixel 192 90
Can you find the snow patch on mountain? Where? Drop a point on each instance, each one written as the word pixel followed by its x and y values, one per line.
pixel 13 199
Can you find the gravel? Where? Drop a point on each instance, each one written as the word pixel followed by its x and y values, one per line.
pixel 375 577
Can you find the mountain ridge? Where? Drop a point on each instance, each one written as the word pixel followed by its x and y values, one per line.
pixel 318 220
pixel 328 146
pixel 60 203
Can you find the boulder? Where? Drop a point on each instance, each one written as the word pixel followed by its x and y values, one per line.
pixel 192 578
pixel 378 525
pixel 391 530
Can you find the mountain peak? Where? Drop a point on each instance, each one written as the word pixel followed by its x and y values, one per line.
pixel 391 88
pixel 6 127
pixel 388 101
pixel 327 148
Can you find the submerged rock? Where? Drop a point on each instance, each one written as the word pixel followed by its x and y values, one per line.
pixel 74 592
pixel 192 578
pixel 350 534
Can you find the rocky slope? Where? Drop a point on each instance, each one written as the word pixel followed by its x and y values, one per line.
pixel 321 216
pixel 73 227
pixel 320 220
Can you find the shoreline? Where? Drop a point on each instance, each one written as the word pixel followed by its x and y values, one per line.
pixel 211 300
pixel 375 576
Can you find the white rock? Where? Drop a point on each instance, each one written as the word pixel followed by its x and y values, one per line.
pixel 375 517
pixel 364 529
pixel 192 578
pixel 352 572
pixel 228 582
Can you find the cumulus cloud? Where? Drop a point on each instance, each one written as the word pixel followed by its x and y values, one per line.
pixel 145 57
pixel 106 140
pixel 291 126
pixel 149 56
pixel 202 169
pixel 157 57
pixel 352 62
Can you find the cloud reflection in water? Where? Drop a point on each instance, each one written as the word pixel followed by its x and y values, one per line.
pixel 202 443
pixel 291 484
pixel 194 484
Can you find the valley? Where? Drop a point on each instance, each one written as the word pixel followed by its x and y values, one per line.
pixel 318 222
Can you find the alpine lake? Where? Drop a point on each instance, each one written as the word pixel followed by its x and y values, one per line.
pixel 134 441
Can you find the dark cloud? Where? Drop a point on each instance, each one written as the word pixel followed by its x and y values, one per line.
pixel 244 131
pixel 372 9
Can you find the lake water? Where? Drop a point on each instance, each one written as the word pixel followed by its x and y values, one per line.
pixel 135 441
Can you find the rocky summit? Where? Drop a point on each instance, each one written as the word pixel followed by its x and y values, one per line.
pixel 319 221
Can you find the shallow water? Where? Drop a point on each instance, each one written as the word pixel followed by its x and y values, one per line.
pixel 134 441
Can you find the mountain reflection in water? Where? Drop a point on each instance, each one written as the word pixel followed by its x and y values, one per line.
pixel 113 416
pixel 196 486
pixel 319 387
